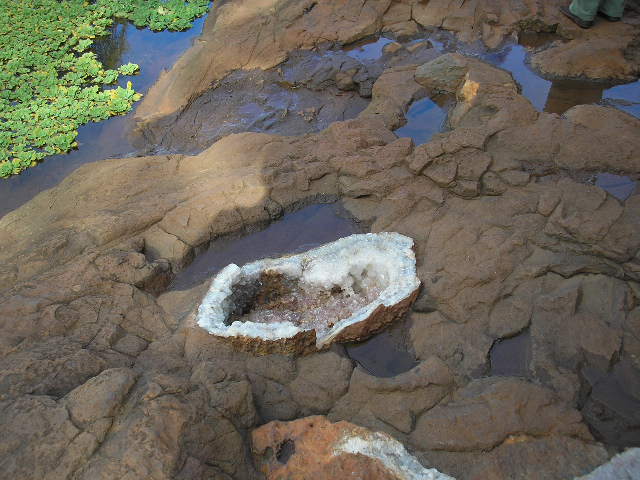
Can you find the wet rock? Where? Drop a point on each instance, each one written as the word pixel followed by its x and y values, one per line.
pixel 51 368
pixel 463 347
pixel 443 172
pixel 229 392
pixel 587 132
pixel 623 466
pixel 305 94
pixel 392 47
pixel 310 24
pixel 40 439
pixel 489 22
pixel 99 397
pixel 597 54
pixel 233 27
pixel 445 73
pixel 321 380
pixel 133 268
pixel 398 12
pixel 55 438
pixel 487 96
pixel 392 93
pixel 332 450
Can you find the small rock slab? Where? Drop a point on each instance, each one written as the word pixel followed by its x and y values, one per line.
pixel 313 447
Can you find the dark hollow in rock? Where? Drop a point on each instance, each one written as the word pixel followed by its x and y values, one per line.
pixel 511 356
pixel 285 451
pixel 612 404
pixel 294 232
pixel 383 355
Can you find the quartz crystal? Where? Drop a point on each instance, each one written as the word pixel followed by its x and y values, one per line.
pixel 325 289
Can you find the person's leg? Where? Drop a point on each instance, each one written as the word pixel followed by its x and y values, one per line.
pixel 585 10
pixel 612 8
pixel 581 12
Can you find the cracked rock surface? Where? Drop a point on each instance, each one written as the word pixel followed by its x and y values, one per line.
pixel 102 376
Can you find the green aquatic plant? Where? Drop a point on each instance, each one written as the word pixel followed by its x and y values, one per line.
pixel 50 81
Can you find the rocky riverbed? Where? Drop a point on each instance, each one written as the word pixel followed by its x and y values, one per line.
pixel 524 342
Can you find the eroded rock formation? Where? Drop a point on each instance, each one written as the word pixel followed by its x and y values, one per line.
pixel 101 377
pixel 247 35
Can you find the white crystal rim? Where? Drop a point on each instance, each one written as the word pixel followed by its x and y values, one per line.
pixel 390 247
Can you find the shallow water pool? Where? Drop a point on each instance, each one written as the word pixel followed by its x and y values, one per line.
pixel 154 52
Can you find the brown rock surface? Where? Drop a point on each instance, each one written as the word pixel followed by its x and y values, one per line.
pixel 392 404
pixel 103 379
pixel 242 36
pixel 602 52
pixel 523 456
pixel 582 143
pixel 245 37
pixel 488 21
pixel 484 413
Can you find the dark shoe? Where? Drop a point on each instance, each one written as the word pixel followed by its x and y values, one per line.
pixel 609 18
pixel 575 19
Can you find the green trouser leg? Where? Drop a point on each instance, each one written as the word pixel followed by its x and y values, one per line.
pixel 613 8
pixel 587 9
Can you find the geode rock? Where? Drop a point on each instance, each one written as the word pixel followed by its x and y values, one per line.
pixel 342 291
pixel 624 466
pixel 313 447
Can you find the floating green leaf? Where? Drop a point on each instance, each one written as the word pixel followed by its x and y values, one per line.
pixel 128 69
pixel 50 83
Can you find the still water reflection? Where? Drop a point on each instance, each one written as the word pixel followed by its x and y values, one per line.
pixel 154 52
pixel 558 96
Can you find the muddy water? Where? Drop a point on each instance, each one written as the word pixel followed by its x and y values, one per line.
pixel 425 118
pixel 383 355
pixel 611 405
pixel 620 186
pixel 368 49
pixel 558 96
pixel 154 52
pixel 294 233
pixel 511 356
